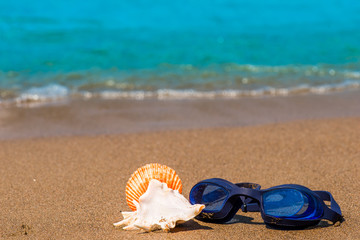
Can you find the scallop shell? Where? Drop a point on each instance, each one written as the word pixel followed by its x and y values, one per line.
pixel 159 208
pixel 139 181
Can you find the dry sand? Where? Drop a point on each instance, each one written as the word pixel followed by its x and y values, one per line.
pixel 73 187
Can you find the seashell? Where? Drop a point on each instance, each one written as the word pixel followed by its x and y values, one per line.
pixel 139 181
pixel 160 207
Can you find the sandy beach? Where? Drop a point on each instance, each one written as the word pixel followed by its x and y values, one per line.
pixel 265 92
pixel 60 183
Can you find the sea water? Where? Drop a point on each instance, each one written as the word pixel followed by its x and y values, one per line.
pixel 180 49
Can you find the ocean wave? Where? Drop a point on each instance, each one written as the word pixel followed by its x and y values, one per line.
pixel 171 94
pixel 168 82
pixel 55 93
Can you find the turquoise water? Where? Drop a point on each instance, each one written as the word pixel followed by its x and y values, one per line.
pixel 177 49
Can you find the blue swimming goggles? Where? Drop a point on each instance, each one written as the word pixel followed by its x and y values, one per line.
pixel 285 206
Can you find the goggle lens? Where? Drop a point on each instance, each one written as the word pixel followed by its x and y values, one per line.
pixel 290 203
pixel 213 196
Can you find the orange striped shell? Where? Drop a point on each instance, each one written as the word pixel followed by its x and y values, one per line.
pixel 139 181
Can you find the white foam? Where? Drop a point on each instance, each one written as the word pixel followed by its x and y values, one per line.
pixel 56 93
pixel 138 95
pixel 50 92
pixel 172 94
pixel 346 85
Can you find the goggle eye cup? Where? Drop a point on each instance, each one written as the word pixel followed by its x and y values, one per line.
pixel 291 204
pixel 212 196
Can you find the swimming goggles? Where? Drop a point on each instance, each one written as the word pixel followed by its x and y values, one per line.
pixel 284 206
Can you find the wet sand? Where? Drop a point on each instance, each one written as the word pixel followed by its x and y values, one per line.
pixel 94 116
pixel 72 187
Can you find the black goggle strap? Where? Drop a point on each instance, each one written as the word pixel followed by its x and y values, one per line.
pixel 249 204
pixel 334 213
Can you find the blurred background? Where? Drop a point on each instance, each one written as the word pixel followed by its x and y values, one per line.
pixel 142 49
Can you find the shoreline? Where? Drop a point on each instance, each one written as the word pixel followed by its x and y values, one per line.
pixel 111 117
pixel 74 187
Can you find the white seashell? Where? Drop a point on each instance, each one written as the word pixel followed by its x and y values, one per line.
pixel 159 207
